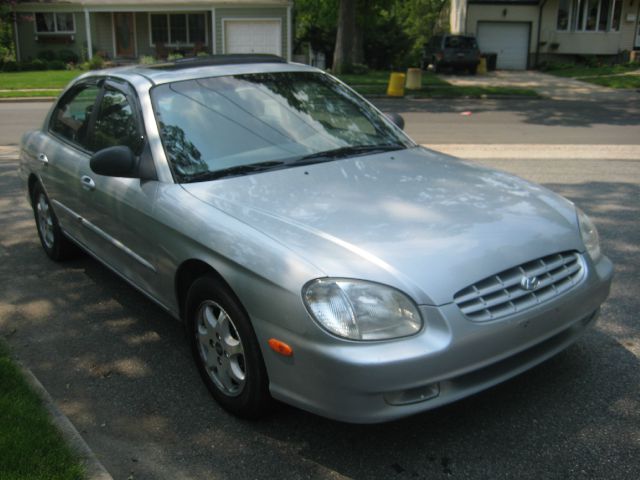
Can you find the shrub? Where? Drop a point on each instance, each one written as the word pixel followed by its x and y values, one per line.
pixel 174 56
pixel 47 55
pixel 10 66
pixel 56 65
pixel 96 63
pixel 147 60
pixel 359 69
pixel 68 56
pixel 38 64
pixel 84 66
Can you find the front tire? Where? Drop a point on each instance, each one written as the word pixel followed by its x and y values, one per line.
pixel 55 244
pixel 226 350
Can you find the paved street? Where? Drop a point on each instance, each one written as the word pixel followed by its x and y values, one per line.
pixel 120 369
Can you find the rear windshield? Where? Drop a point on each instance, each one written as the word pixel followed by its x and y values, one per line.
pixel 460 42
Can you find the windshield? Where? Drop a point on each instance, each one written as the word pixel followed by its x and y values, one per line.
pixel 239 124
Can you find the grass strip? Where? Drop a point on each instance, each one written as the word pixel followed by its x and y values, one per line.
pixel 30 446
pixel 30 94
pixel 47 79
pixel 619 81
pixel 585 71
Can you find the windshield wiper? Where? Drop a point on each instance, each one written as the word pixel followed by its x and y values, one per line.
pixel 232 171
pixel 344 152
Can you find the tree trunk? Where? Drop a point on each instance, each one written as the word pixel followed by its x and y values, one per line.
pixel 343 55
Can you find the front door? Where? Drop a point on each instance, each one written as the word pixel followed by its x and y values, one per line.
pixel 124 34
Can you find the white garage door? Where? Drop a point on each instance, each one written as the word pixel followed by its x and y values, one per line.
pixel 509 40
pixel 253 36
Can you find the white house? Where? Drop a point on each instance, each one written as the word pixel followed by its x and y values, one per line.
pixel 523 32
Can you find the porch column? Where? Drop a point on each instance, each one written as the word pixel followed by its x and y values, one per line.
pixel 17 38
pixel 87 27
pixel 213 31
pixel 289 34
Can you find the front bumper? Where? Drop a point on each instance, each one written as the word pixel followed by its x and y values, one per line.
pixel 451 358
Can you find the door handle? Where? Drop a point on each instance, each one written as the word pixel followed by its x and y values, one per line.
pixel 43 159
pixel 87 182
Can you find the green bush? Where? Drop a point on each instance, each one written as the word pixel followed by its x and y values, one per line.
pixel 38 64
pixel 68 56
pixel 47 55
pixel 147 60
pixel 174 56
pixel 359 69
pixel 10 66
pixel 56 65
pixel 96 63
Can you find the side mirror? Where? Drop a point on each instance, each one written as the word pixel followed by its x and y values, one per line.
pixel 397 119
pixel 117 161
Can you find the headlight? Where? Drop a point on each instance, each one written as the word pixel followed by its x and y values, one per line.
pixel 360 310
pixel 589 235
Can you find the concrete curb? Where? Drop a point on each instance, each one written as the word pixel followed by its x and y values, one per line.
pixel 94 470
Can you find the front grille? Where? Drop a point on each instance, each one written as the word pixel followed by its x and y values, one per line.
pixel 503 294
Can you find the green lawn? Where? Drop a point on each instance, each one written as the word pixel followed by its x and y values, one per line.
pixel 575 71
pixel 382 79
pixel 51 79
pixel 607 75
pixel 30 446
pixel 618 81
pixel 22 94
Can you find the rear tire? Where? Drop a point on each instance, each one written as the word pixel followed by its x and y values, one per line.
pixel 226 350
pixel 55 244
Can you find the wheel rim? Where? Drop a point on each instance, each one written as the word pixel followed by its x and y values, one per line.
pixel 45 221
pixel 220 348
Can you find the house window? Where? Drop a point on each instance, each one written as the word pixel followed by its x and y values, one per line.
pixel 177 28
pixel 563 14
pixel 55 23
pixel 589 15
pixel 617 13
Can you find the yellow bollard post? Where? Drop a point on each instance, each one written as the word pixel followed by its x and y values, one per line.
pixel 414 79
pixel 396 85
pixel 482 67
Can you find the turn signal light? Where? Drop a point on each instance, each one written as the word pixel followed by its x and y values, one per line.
pixel 280 347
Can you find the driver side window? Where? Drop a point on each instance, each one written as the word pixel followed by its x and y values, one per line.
pixel 70 120
pixel 116 123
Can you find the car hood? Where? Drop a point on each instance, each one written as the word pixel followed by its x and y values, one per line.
pixel 424 222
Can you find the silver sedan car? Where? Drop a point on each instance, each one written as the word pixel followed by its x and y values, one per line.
pixel 315 254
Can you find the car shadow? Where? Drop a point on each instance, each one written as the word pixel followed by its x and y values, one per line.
pixel 571 113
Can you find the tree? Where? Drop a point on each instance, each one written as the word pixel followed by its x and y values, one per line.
pixel 343 56
pixel 7 48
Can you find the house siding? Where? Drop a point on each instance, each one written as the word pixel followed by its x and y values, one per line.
pixel 30 47
pixel 587 43
pixel 102 34
pixel 251 13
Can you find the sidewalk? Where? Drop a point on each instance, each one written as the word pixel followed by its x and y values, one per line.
pixel 556 88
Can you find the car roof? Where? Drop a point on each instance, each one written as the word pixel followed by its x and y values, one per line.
pixel 202 67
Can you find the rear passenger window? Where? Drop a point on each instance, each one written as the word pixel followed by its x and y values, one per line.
pixel 116 123
pixel 71 117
